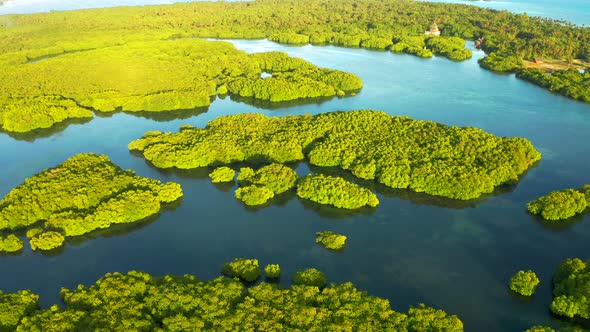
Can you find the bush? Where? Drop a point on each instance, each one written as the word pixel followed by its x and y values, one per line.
pixel 310 277
pixel 47 241
pixel 559 205
pixel 272 271
pixel 246 269
pixel 222 174
pixel 524 283
pixel 331 240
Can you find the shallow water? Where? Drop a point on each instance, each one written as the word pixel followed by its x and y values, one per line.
pixel 411 249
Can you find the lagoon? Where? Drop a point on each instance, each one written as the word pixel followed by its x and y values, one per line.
pixel 457 256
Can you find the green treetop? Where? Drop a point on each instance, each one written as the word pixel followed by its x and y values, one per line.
pixel 558 205
pixel 524 283
pixel 331 240
pixel 571 289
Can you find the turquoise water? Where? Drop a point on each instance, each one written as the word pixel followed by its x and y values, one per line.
pixel 575 11
pixel 411 249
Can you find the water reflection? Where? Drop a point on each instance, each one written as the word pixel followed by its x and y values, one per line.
pixel 36 134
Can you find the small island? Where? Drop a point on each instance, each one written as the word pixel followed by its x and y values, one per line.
pixel 455 162
pixel 331 240
pixel 524 282
pixel 561 204
pixel 84 193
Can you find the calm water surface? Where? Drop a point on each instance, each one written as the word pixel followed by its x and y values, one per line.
pixel 411 249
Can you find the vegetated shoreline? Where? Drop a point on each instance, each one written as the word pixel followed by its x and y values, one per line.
pixel 507 38
pixel 142 302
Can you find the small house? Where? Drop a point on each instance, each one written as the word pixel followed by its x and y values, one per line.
pixel 434 31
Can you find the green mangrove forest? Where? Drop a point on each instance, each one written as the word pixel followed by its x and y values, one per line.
pixel 137 301
pixel 561 204
pixel 84 193
pixel 154 76
pixel 509 39
pixel 455 162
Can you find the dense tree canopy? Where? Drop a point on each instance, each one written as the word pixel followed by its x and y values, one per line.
pixel 571 289
pixel 508 38
pixel 153 76
pixel 10 243
pixel 276 177
pixel 524 282
pixel 331 240
pixel 455 162
pixel 336 191
pixel 558 205
pixel 137 301
pixel 84 193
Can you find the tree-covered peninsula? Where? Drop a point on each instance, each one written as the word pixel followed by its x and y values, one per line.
pixel 561 204
pixel 399 152
pixel 137 301
pixel 84 193
pixel 153 76
pixel 509 39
